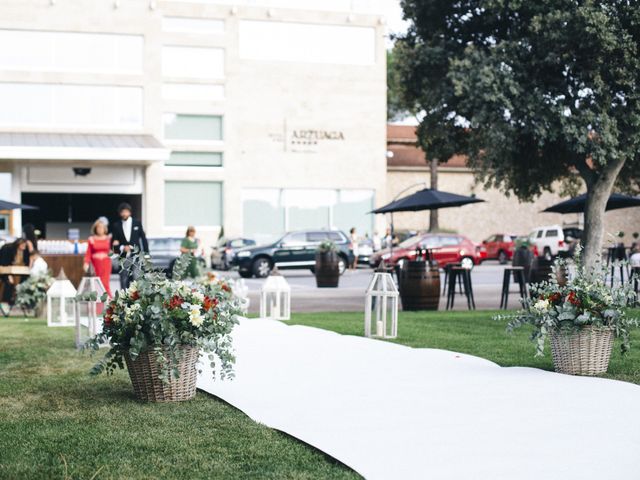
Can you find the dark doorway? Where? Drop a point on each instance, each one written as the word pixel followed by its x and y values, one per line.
pixel 60 211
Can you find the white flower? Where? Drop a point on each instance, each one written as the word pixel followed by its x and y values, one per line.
pixel 195 316
pixel 198 297
pixel 541 306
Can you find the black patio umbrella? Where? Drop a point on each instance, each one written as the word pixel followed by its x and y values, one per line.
pixel 5 205
pixel 427 199
pixel 578 204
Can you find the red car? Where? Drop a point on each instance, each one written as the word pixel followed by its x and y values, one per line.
pixel 500 247
pixel 447 248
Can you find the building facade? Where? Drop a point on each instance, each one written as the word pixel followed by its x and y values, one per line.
pixel 253 119
pixel 407 169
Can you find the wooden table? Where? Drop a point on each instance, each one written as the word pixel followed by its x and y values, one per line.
pixel 71 263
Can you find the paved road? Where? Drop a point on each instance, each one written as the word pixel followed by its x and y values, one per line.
pixel 349 296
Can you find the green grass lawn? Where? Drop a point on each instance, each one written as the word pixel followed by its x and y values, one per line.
pixel 58 422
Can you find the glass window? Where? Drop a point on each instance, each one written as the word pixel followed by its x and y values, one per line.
pixel 352 210
pixel 192 92
pixel 195 159
pixel 431 241
pixel 192 127
pixel 70 52
pixel 308 208
pixel 297 238
pixel 316 237
pixel 336 237
pixel 193 25
pixel 540 232
pixel 551 233
pixel 263 216
pixel 192 62
pixel 78 106
pixel 269 40
pixel 193 203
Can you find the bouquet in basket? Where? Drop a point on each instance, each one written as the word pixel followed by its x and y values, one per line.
pixel 584 301
pixel 161 315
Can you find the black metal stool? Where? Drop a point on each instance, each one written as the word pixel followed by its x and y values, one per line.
pixel 518 276
pixel 447 273
pixel 455 275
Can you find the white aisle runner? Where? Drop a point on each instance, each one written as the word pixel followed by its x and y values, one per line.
pixel 393 412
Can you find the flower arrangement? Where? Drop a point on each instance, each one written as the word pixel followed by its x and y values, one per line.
pixel 33 291
pixel 326 246
pixel 585 300
pixel 160 315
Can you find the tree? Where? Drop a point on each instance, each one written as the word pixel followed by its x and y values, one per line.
pixel 533 92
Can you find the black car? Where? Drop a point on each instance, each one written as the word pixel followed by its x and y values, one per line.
pixel 296 250
pixel 223 253
pixel 163 252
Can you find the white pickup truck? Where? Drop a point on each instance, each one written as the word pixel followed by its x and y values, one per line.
pixel 553 239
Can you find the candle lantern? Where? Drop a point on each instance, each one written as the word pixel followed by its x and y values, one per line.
pixel 275 298
pixel 89 306
pixel 61 302
pixel 382 300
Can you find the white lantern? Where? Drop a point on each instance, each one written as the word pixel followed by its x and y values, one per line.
pixel 89 306
pixel 61 302
pixel 381 298
pixel 275 298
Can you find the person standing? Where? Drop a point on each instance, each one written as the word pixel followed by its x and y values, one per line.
pixel 190 246
pixel 354 247
pixel 128 238
pixel 98 249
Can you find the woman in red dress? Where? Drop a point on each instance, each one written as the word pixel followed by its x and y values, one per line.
pixel 98 250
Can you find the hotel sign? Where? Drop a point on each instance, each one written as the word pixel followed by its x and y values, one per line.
pixel 306 140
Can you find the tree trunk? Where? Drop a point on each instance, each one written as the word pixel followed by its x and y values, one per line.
pixel 598 191
pixel 433 214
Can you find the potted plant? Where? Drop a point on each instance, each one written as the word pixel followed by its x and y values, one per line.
pixel 159 326
pixel 32 293
pixel 327 267
pixel 580 318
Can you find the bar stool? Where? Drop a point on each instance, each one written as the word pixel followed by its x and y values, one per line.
pixel 518 276
pixel 455 275
pixel 447 273
pixel 613 254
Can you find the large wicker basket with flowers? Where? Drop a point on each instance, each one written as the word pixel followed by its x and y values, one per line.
pixel 159 326
pixel 581 318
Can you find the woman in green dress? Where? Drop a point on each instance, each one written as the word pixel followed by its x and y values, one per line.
pixel 189 246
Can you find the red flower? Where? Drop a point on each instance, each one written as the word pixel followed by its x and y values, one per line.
pixel 135 295
pixel 225 287
pixel 209 303
pixel 555 297
pixel 573 299
pixel 175 302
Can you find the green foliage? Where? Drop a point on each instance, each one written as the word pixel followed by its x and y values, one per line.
pixel 327 246
pixel 159 314
pixel 585 300
pixel 33 291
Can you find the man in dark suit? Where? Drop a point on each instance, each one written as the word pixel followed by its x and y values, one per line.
pixel 128 237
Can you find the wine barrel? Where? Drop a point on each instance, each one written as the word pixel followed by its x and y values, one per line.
pixel 419 285
pixel 541 271
pixel 327 269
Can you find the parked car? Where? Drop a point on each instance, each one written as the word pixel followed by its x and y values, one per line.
pixel 446 248
pixel 500 247
pixel 225 250
pixel 163 252
pixel 295 250
pixel 554 240
pixel 365 250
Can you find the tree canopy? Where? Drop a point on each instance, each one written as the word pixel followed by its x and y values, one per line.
pixel 534 92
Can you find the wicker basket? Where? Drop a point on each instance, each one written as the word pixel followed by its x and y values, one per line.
pixel 144 372
pixel 585 352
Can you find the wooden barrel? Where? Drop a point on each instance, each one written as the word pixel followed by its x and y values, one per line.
pixel 327 269
pixel 419 286
pixel 541 271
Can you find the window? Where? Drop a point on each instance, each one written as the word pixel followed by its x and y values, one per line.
pixel 195 159
pixel 430 242
pixel 70 52
pixel 192 127
pixel 306 42
pixel 551 233
pixel 192 92
pixel 336 237
pixel 540 232
pixel 316 237
pixel 205 26
pixel 449 241
pixel 192 203
pixel 352 210
pixel 192 62
pixel 80 106
pixel 263 216
pixel 292 239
